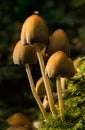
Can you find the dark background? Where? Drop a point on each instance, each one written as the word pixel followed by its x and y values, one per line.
pixel 69 15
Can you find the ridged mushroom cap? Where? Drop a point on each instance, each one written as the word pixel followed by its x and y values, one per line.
pixel 34 29
pixel 58 42
pixel 24 54
pixel 59 64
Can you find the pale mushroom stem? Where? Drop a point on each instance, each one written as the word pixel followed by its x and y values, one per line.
pixel 63 83
pixel 60 99
pixel 34 91
pixel 47 84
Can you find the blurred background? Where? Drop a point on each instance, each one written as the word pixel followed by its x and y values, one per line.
pixel 15 93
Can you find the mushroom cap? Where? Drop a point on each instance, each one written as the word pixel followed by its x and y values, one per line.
pixel 24 54
pixel 40 87
pixel 58 42
pixel 34 29
pixel 18 119
pixel 59 64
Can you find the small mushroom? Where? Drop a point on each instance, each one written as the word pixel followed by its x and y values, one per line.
pixel 35 31
pixel 58 42
pixel 19 119
pixel 26 55
pixel 58 66
pixel 40 87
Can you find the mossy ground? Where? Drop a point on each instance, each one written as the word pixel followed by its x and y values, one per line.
pixel 74 106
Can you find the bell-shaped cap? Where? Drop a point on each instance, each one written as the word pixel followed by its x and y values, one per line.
pixel 34 29
pixel 59 64
pixel 58 42
pixel 24 54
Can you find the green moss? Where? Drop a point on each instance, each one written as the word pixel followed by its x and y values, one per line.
pixel 74 106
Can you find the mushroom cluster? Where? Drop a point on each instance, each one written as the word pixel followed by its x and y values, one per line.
pixel 54 62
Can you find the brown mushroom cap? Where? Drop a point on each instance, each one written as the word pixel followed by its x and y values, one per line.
pixel 58 42
pixel 40 87
pixel 24 54
pixel 34 29
pixel 59 64
pixel 18 119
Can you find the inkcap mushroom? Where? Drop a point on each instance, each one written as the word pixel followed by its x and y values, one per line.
pixel 58 42
pixel 40 87
pixel 58 66
pixel 35 31
pixel 18 119
pixel 26 55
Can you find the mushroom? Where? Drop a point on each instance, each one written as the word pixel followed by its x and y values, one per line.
pixel 40 87
pixel 18 119
pixel 27 55
pixel 35 31
pixel 58 42
pixel 60 65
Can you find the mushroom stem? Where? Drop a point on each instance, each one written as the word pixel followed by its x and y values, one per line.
pixel 47 84
pixel 60 99
pixel 34 92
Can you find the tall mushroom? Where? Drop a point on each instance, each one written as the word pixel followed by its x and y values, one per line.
pixel 26 55
pixel 58 42
pixel 60 65
pixel 35 31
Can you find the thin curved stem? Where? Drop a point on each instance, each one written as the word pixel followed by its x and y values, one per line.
pixel 47 84
pixel 34 91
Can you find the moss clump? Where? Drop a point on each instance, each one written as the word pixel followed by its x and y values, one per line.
pixel 74 106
